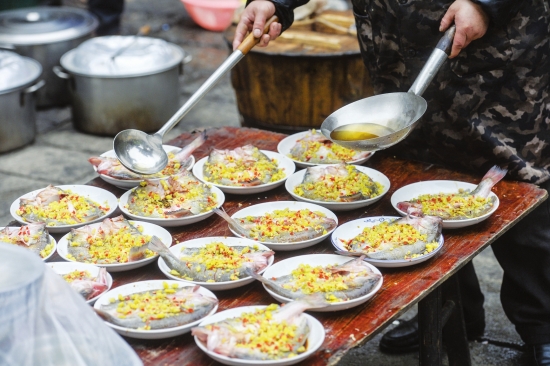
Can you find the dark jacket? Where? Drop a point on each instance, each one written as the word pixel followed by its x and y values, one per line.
pixel 487 106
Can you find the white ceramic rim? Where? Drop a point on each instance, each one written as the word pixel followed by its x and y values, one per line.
pixel 96 194
pixel 283 163
pixel 353 228
pixel 375 175
pixel 148 229
pixel 200 242
pixel 286 144
pixel 315 339
pixel 446 186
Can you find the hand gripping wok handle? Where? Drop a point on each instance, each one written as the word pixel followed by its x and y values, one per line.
pixel 227 65
pixel 432 66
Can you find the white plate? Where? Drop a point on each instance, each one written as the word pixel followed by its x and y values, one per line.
pixel 131 183
pixel 52 240
pixel 314 342
pixel 286 144
pixel 285 267
pixel 171 222
pixel 201 242
pixel 148 229
pixel 351 229
pixel 297 178
pixel 414 190
pixel 98 195
pixel 264 208
pixel 63 268
pixel 283 162
pixel 135 287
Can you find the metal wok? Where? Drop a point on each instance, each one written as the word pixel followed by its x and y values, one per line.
pixel 399 112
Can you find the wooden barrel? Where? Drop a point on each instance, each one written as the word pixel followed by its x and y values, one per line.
pixel 290 87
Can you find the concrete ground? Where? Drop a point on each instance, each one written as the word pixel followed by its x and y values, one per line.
pixel 59 156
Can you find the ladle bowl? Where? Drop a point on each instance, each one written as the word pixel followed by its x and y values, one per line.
pixel 143 153
pixel 397 112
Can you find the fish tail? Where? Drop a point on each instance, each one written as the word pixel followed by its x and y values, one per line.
pixel 157 246
pixel 232 222
pixel 349 254
pixel 137 253
pixel 496 173
pixel 260 278
pixel 492 177
pixel 95 161
pixel 105 316
pixel 102 276
pixel 186 152
pixel 297 307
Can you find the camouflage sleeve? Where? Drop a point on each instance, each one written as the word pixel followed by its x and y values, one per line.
pixel 284 9
pixel 500 11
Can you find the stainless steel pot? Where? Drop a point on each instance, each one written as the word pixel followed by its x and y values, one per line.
pixel 18 82
pixel 45 34
pixel 121 82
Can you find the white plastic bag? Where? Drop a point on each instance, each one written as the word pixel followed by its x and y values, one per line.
pixel 46 323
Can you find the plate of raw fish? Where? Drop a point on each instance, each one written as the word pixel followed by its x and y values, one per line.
pixel 262 335
pixel 178 200
pixel 338 187
pixel 311 148
pixel 282 225
pixel 343 281
pixel 244 170
pixel 388 241
pixel 116 244
pixel 34 237
pixel 64 207
pixel 459 204
pixel 112 171
pixel 216 263
pixel 155 309
pixel 88 280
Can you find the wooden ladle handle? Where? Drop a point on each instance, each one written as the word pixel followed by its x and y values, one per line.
pixel 250 41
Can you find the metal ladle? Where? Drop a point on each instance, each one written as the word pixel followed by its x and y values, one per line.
pixel 397 112
pixel 143 153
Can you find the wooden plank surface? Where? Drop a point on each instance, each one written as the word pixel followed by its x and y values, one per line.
pixel 402 287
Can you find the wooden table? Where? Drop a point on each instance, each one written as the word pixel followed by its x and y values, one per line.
pixel 402 288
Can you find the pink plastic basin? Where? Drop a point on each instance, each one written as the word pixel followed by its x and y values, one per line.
pixel 214 15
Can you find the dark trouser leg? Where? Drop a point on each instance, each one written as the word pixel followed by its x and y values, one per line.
pixel 524 254
pixel 472 301
pixel 108 13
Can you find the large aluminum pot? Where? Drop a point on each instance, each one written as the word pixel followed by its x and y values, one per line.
pixel 18 81
pixel 122 82
pixel 45 34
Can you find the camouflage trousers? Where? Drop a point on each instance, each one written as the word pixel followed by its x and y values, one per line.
pixel 490 105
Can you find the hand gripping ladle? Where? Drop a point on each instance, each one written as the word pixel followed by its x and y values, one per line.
pixel 143 153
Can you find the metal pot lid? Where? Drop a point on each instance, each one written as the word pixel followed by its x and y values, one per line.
pixel 17 71
pixel 122 56
pixel 42 25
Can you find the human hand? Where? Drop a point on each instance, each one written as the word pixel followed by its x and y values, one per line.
pixel 253 20
pixel 471 23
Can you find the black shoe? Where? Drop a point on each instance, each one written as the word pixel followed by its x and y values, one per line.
pixel 540 354
pixel 403 338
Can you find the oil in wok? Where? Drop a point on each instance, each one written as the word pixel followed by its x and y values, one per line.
pixel 360 131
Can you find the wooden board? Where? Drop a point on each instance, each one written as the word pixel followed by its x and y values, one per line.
pixel 402 287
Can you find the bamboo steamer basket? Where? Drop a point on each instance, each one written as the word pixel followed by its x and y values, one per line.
pixel 296 82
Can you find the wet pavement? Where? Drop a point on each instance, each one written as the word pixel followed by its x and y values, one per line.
pixel 59 155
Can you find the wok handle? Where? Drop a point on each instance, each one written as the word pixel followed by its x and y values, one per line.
pixel 446 42
pixel 437 59
pixel 250 41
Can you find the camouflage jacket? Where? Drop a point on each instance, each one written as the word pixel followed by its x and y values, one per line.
pixel 490 105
